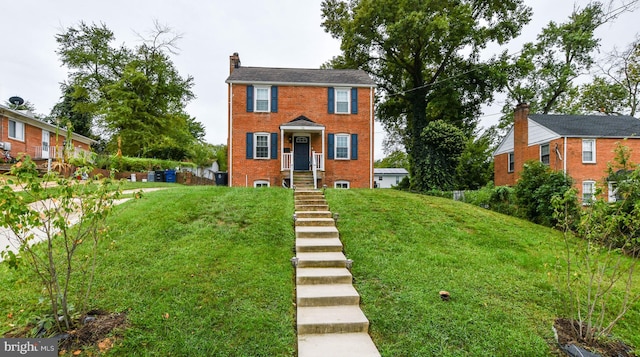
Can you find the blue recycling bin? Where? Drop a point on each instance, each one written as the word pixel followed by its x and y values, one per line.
pixel 170 175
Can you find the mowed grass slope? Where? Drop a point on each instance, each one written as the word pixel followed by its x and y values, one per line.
pixel 406 248
pixel 205 271
pixel 200 271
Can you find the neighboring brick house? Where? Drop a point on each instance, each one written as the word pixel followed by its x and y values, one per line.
pixel 22 133
pixel 580 145
pixel 282 120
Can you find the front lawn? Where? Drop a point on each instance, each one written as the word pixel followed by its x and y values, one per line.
pixel 200 271
pixel 498 269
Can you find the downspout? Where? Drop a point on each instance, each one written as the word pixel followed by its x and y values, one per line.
pixel 371 141
pixel 230 142
pixel 564 162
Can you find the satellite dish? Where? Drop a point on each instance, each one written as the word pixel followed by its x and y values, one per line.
pixel 16 101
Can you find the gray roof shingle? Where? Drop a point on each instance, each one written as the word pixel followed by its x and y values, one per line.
pixel 589 125
pixel 352 77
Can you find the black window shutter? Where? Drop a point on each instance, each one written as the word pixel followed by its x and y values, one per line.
pixel 331 102
pixel 354 100
pixel 249 145
pixel 354 146
pixel 330 146
pixel 274 99
pixel 249 98
pixel 274 145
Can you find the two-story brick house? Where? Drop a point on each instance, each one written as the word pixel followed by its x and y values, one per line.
pixel 580 145
pixel 286 120
pixel 22 133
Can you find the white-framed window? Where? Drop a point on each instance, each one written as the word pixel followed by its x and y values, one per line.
pixel 261 183
pixel 512 162
pixel 341 184
pixel 589 151
pixel 261 145
pixel 16 130
pixel 343 102
pixel 613 192
pixel 262 103
pixel 397 180
pixel 342 146
pixel 544 154
pixel 588 192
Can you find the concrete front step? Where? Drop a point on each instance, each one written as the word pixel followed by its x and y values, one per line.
pixel 312 208
pixel 310 201
pixel 327 295
pixel 316 232
pixel 331 319
pixel 337 345
pixel 309 276
pixel 309 245
pixel 314 214
pixel 321 260
pixel 314 222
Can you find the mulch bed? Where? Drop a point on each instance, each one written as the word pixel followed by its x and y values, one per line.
pixel 610 348
pixel 97 328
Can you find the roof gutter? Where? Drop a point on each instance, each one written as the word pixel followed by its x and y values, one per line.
pixel 304 84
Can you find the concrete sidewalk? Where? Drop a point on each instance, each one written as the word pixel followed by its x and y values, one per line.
pixel 8 240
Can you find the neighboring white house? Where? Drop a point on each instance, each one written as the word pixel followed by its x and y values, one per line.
pixel 388 177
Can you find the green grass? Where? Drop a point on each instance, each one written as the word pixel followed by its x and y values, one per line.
pixel 216 260
pixel 406 248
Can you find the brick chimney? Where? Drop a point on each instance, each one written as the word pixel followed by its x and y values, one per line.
pixel 520 135
pixel 234 62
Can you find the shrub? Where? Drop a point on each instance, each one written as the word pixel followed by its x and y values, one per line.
pixel 537 185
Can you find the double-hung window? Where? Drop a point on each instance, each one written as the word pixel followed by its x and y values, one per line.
pixel 588 192
pixel 261 146
pixel 16 130
pixel 544 154
pixel 589 151
pixel 512 163
pixel 342 100
pixel 342 146
pixel 262 99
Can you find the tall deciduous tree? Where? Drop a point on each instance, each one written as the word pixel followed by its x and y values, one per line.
pixel 544 72
pixel 425 58
pixel 137 95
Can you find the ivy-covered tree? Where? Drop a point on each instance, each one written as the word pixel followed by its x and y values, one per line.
pixel 425 57
pixel 439 158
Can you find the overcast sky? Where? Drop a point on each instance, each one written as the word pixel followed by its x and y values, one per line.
pixel 266 33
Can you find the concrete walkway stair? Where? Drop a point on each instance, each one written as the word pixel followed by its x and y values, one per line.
pixel 303 180
pixel 330 321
